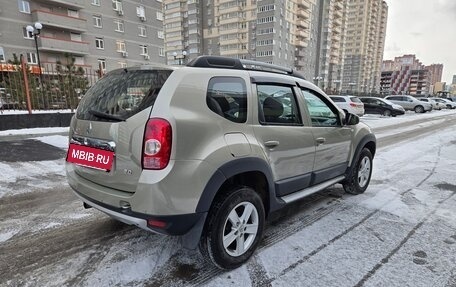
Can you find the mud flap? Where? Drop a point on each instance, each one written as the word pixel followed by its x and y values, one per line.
pixel 191 239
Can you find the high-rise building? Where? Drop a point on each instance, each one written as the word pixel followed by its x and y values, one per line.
pixel 405 75
pixel 435 71
pixel 364 45
pixel 331 39
pixel 270 31
pixel 454 80
pixel 96 33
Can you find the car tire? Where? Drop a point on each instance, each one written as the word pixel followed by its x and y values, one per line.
pixel 361 174
pixel 225 235
pixel 419 109
pixel 386 113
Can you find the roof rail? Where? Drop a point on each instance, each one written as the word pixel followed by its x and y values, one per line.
pixel 237 64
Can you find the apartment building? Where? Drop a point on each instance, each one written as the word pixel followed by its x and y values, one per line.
pixel 333 15
pixel 270 31
pixel 405 75
pixel 98 33
pixel 435 71
pixel 364 45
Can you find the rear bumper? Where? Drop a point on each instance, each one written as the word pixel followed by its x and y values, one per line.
pixel 174 224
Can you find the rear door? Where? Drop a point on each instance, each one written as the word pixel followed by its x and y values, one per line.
pixel 287 143
pixel 332 139
pixel 112 117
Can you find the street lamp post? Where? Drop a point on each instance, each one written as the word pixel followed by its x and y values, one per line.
pixel 181 58
pixel 36 30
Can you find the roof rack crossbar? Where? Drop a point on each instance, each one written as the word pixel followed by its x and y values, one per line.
pixel 237 64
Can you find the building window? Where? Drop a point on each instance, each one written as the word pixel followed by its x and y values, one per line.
pixel 142 31
pixel 141 12
pixel 122 64
pixel 97 21
pixel 119 25
pixel 73 13
pixel 160 34
pixel 96 2
pixel 2 55
pixel 24 6
pixel 120 46
pixel 159 16
pixel 102 64
pixel 161 52
pixel 117 5
pixel 31 58
pixel 27 34
pixel 144 50
pixel 75 37
pixel 79 61
pixel 99 43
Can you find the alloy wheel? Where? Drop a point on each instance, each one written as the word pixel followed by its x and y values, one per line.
pixel 240 229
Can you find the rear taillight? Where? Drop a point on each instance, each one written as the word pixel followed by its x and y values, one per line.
pixel 157 144
pixel 354 105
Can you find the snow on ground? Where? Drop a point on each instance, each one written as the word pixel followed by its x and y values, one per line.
pixel 34 131
pixel 56 140
pixel 377 121
pixel 399 233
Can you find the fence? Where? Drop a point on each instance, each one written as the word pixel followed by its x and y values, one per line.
pixel 54 86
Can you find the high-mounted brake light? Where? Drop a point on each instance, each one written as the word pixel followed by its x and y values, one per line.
pixel 157 144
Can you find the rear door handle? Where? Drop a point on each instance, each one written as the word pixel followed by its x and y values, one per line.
pixel 320 141
pixel 271 143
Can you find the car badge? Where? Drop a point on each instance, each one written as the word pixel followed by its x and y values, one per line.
pixel 89 128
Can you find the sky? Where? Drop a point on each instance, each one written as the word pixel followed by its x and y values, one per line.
pixel 426 28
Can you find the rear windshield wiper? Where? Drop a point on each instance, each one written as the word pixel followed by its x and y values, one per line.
pixel 102 115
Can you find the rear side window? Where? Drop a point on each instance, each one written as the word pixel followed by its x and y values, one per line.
pixel 338 99
pixel 277 105
pixel 227 97
pixel 121 94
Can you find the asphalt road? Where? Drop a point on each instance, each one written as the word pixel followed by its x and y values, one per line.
pixel 57 243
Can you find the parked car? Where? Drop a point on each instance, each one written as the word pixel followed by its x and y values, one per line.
pixel 349 104
pixel 435 105
pixel 410 103
pixel 374 105
pixel 199 155
pixel 453 99
pixel 446 103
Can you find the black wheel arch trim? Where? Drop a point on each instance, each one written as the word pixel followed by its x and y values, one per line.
pixel 232 168
pixel 362 143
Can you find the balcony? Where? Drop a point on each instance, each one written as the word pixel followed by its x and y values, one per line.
pixel 305 14
pixel 77 4
pixel 300 43
pixel 303 24
pixel 59 21
pixel 63 46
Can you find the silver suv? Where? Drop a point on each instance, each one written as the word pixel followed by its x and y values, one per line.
pixel 410 103
pixel 209 150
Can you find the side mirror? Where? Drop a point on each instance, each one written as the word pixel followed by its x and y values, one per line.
pixel 351 119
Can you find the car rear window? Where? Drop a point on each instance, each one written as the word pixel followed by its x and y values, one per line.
pixel 355 100
pixel 121 94
pixel 338 99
